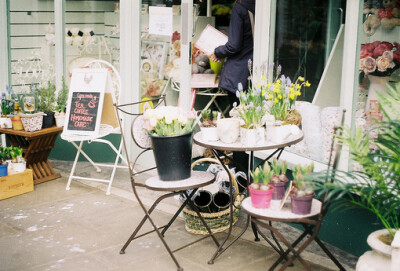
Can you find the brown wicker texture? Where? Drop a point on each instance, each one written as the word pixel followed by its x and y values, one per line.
pixel 218 221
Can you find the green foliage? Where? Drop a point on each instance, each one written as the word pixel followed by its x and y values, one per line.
pixel 262 174
pixel 46 98
pixel 377 188
pixel 62 97
pixel 8 153
pixel 276 167
pixel 300 174
pixel 390 102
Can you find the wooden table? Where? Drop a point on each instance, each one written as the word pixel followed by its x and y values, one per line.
pixel 37 147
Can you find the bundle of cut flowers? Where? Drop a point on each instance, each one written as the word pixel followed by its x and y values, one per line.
pixel 169 121
pixel 379 58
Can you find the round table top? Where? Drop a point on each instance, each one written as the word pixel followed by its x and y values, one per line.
pixel 196 180
pixel 273 213
pixel 237 146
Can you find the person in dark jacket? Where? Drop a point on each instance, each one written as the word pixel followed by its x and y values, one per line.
pixel 238 50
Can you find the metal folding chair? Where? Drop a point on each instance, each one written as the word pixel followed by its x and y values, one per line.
pixel 105 129
pixel 311 223
pixel 169 188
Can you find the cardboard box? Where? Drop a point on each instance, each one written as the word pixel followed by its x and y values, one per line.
pixel 16 184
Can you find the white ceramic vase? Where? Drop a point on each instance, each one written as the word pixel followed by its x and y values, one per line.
pixel 380 258
pixel 209 133
pixel 60 119
pixel 19 167
pixel 228 130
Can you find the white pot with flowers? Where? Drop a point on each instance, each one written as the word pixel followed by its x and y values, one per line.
pixel 208 125
pixel 7 108
pixel 251 110
pixel 18 162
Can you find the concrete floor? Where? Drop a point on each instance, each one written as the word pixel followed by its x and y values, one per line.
pixel 83 229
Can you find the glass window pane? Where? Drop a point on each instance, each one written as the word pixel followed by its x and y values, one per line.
pixel 301 38
pixel 91 32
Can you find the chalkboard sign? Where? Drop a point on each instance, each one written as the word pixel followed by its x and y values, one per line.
pixel 85 101
pixel 84 111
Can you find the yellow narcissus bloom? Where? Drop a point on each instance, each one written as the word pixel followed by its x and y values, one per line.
pixel 291 96
pixel 308 84
pixel 270 96
pixel 276 101
pixel 298 93
pixel 279 96
pixel 301 79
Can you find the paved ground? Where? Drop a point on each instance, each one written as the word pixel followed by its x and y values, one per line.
pixel 83 229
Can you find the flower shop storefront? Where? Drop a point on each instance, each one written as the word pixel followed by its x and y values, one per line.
pixel 342 54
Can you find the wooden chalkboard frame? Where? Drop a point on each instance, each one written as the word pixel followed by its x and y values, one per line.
pixel 86 83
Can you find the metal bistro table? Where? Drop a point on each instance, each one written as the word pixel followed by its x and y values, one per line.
pixel 218 148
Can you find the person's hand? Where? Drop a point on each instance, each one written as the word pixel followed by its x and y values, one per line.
pixel 214 58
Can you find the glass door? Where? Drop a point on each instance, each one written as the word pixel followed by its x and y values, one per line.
pixel 305 31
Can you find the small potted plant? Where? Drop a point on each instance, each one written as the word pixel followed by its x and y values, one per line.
pixel 279 179
pixel 61 100
pixel 302 193
pixel 18 162
pixel 31 121
pixel 46 98
pixel 4 155
pixel 260 190
pixel 251 110
pixel 7 108
pixel 208 125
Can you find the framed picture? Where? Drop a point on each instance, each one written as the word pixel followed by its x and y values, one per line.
pixel 154 52
pixel 27 103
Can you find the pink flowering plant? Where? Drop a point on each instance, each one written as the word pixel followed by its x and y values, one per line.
pixel 169 121
pixel 380 58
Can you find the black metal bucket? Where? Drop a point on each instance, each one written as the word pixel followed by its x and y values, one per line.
pixel 173 155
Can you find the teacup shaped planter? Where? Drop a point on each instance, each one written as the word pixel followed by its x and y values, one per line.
pixel 209 133
pixel 261 195
pixel 252 137
pixel 228 130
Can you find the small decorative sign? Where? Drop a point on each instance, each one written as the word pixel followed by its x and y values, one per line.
pixel 160 21
pixel 85 101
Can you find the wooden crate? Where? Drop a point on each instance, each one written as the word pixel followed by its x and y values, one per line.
pixel 16 184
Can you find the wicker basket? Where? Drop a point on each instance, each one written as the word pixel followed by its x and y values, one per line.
pixel 32 122
pixel 218 221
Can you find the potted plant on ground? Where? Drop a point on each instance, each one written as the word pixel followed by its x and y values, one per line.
pixel 279 179
pixel 377 187
pixel 170 129
pixel 61 100
pixel 260 190
pixel 302 193
pixel 208 125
